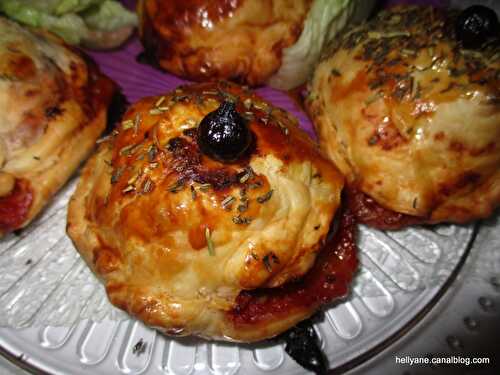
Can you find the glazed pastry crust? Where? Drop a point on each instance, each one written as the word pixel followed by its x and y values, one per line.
pixel 410 118
pixel 149 206
pixel 241 40
pixel 53 106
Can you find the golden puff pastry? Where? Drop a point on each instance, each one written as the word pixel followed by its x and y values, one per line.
pixel 53 106
pixel 273 42
pixel 182 241
pixel 411 119
pixel 240 40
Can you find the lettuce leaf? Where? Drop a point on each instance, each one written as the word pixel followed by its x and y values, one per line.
pixel 109 15
pixel 72 20
pixel 324 20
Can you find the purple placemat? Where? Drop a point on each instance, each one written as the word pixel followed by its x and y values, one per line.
pixel 139 80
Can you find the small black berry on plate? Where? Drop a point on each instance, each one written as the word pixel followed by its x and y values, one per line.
pixel 475 25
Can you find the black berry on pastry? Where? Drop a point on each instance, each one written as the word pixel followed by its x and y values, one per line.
pixel 412 118
pixel 226 243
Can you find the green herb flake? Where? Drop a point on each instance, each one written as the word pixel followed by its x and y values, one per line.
pixel 133 179
pixel 284 129
pixel 137 123
pixel 180 98
pixel 128 150
pixel 387 35
pixel 240 220
pixel 431 51
pixel 210 244
pixel 139 347
pixel 127 124
pixel 116 175
pixel 244 178
pixel 198 99
pixel 176 187
pixel 261 106
pixel 255 185
pixel 395 19
pixel 245 175
pixel 152 152
pixel 155 111
pixel 8 77
pixel 147 186
pixel 159 102
pixel 128 189
pixel 229 97
pixel 103 139
pixel 249 116
pixel 408 52
pixel 335 72
pixel 269 260
pixel 205 187
pixel 373 98
pixel 242 207
pixel 471 53
pixel 373 140
pixel 243 194
pixel 264 198
pixel 191 122
pixel 156 141
pixel 416 90
pixel 227 202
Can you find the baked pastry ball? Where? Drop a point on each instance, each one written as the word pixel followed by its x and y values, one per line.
pixel 53 105
pixel 411 118
pixel 204 209
pixel 276 42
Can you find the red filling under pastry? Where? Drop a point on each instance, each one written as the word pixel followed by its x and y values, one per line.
pixel 328 279
pixel 15 206
pixel 180 224
pixel 369 212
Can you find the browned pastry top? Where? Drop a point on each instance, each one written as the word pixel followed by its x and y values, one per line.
pixel 241 40
pixel 410 117
pixel 50 95
pixel 176 236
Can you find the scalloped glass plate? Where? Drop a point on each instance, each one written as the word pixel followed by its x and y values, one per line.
pixel 72 329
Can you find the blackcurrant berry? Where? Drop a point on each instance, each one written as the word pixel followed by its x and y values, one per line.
pixel 223 134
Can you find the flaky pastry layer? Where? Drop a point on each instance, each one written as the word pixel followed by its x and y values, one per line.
pixel 53 104
pixel 176 236
pixel 410 117
pixel 240 40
